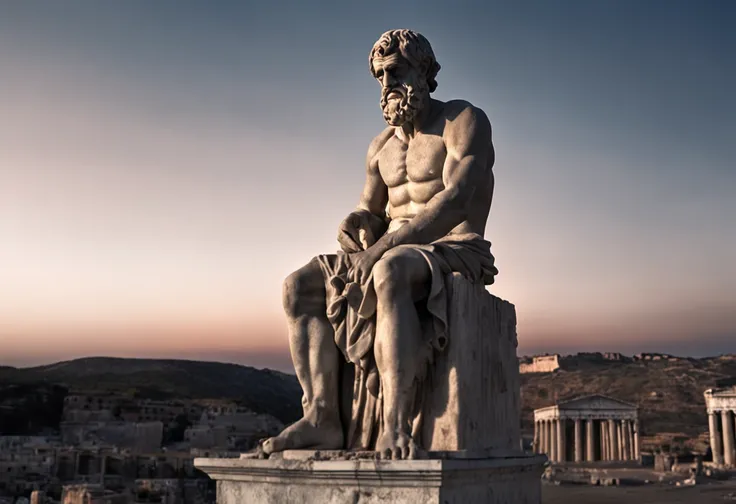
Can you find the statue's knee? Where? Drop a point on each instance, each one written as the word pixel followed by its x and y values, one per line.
pixel 293 294
pixel 388 278
pixel 300 289
pixel 290 295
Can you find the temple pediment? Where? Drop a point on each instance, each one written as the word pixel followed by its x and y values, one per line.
pixel 724 391
pixel 595 402
pixel 720 399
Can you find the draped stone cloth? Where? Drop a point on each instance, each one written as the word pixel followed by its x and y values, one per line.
pixel 351 309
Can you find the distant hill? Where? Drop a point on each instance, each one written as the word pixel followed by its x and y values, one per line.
pixel 264 391
pixel 669 391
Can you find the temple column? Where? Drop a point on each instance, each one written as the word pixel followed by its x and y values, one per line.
pixel 625 440
pixel 604 439
pixel 535 440
pixel 545 437
pixel 727 426
pixel 553 440
pixel 542 437
pixel 589 445
pixel 578 440
pixel 613 441
pixel 561 440
pixel 620 434
pixel 637 455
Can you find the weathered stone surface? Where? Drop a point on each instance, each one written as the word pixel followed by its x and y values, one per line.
pixel 470 481
pixel 474 402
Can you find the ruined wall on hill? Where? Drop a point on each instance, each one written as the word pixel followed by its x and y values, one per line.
pixel 541 364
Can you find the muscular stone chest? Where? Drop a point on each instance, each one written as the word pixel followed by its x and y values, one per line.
pixel 417 162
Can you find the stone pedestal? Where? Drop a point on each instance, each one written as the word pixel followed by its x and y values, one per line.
pixel 470 429
pixel 493 480
pixel 474 401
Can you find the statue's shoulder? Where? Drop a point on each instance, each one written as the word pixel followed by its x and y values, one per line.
pixel 462 111
pixel 377 143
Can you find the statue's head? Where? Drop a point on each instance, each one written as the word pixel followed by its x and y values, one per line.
pixel 403 63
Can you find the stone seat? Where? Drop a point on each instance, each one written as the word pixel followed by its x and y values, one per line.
pixel 474 402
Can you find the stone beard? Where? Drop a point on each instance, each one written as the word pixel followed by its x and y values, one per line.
pixel 398 111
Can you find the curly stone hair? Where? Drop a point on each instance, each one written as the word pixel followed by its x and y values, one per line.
pixel 413 47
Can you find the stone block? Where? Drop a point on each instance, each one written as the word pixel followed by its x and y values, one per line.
pixel 474 397
pixel 508 480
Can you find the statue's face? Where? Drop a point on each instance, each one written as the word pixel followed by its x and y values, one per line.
pixel 404 90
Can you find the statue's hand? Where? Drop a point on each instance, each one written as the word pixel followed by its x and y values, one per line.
pixel 362 263
pixel 348 234
pixel 360 230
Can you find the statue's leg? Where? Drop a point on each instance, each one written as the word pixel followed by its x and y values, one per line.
pixel 401 278
pixel 315 356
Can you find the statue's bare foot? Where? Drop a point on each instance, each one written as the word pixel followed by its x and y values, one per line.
pixel 304 435
pixel 256 453
pixel 396 446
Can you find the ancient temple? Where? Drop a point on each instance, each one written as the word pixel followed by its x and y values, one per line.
pixel 721 406
pixel 588 429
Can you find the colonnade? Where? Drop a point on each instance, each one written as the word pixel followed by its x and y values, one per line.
pixel 722 425
pixel 590 439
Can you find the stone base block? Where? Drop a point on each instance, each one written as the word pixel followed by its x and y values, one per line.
pixel 507 480
pixel 474 400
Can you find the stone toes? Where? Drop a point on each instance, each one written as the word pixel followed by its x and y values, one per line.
pixel 275 444
pixel 402 451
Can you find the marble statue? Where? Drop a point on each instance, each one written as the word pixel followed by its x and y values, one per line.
pixel 365 323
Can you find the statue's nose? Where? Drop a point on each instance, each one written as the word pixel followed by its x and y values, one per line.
pixel 388 79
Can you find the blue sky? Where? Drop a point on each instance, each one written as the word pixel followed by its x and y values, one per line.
pixel 164 165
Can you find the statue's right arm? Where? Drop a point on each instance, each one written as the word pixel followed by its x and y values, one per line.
pixel 373 199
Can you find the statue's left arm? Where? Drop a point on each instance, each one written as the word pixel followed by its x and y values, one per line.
pixel 469 147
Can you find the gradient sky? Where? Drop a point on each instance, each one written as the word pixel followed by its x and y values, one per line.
pixel 164 165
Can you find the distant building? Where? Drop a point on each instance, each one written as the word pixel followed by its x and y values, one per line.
pixel 540 364
pixel 231 427
pixel 550 363
pixel 91 494
pixel 98 407
pixel 588 429
pixel 141 437
pixel 721 406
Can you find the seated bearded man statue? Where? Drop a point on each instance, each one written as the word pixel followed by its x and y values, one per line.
pixel 378 308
